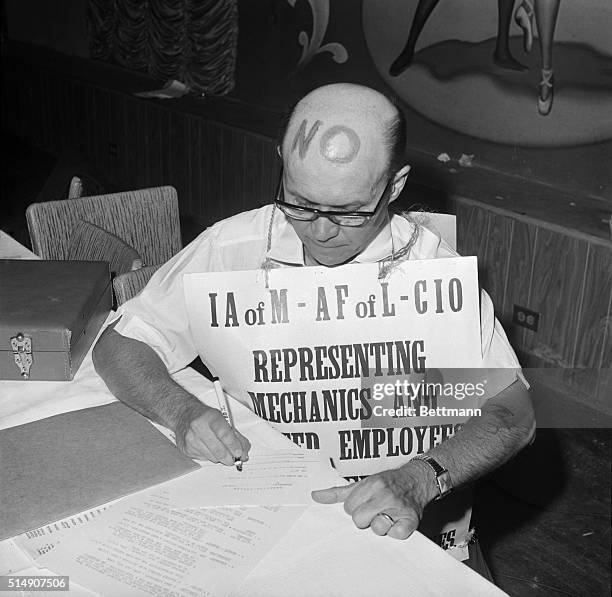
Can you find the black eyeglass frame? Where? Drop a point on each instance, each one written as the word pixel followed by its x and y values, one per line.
pixel 331 214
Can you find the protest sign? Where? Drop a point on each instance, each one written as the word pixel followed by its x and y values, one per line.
pixel 370 369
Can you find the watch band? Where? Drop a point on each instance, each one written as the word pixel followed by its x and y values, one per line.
pixel 443 478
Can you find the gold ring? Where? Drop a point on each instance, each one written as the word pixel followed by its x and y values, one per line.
pixel 385 515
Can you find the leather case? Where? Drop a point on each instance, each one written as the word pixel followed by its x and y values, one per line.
pixel 50 313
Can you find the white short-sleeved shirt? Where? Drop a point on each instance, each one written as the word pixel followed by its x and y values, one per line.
pixel 246 241
pixel 157 316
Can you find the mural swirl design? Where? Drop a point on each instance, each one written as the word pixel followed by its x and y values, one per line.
pixel 312 46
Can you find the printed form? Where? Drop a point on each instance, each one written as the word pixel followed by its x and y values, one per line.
pixel 274 479
pixel 140 547
pixel 41 540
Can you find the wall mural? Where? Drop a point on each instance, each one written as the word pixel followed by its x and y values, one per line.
pixel 312 45
pixel 486 68
pixel 547 11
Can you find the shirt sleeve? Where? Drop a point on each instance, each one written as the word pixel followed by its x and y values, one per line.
pixel 158 316
pixel 500 366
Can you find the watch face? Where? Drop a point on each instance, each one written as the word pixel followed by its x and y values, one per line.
pixel 443 478
pixel 445 483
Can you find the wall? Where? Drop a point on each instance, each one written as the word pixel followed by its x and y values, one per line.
pixel 218 170
pixel 56 24
pixel 566 277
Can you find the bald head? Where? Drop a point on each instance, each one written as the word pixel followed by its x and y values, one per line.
pixel 341 153
pixel 341 130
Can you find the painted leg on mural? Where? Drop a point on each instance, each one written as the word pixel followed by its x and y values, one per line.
pixel 502 55
pixel 404 59
pixel 523 16
pixel 546 12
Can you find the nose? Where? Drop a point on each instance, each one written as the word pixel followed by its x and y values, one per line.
pixel 323 229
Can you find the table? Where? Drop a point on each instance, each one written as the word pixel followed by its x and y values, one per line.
pixel 322 554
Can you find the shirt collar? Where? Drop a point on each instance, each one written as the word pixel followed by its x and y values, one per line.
pixel 286 246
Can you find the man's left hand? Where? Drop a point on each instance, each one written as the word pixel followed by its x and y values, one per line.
pixel 398 494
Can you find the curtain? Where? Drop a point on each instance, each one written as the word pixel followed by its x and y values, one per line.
pixel 194 41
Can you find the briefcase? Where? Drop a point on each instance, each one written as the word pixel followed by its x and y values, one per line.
pixel 50 313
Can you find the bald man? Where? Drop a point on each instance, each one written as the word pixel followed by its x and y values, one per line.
pixel 342 166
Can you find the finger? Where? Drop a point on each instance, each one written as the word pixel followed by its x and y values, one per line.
pixel 381 525
pixel 363 493
pixel 246 446
pixel 402 529
pixel 195 448
pixel 367 512
pixel 332 495
pixel 228 437
pixel 219 451
pixel 218 436
pixel 207 437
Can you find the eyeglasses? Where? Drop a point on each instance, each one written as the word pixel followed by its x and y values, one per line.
pixel 309 214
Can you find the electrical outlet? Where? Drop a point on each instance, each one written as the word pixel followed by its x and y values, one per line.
pixel 112 150
pixel 526 318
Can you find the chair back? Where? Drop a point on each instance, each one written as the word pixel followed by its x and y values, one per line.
pixel 75 189
pixel 129 284
pixel 146 219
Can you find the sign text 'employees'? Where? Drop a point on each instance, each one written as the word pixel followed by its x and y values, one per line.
pixel 437 296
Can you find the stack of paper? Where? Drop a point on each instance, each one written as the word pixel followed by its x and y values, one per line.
pixel 141 547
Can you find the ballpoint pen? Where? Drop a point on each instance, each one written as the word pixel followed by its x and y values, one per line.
pixel 224 408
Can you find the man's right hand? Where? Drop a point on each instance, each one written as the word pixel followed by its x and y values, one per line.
pixel 136 375
pixel 206 435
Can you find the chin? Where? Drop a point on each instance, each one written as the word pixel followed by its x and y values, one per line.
pixel 331 260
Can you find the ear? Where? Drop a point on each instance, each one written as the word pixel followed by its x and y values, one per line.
pixel 399 180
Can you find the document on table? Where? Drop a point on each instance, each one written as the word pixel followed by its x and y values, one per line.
pixel 12 558
pixel 140 547
pixel 75 590
pixel 324 554
pixel 12 249
pixel 272 479
pixel 39 541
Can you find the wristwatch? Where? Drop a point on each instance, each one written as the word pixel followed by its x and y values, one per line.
pixel 443 478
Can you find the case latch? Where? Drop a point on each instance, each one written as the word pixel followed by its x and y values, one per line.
pixel 22 351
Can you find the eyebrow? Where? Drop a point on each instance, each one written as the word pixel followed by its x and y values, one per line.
pixel 357 207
